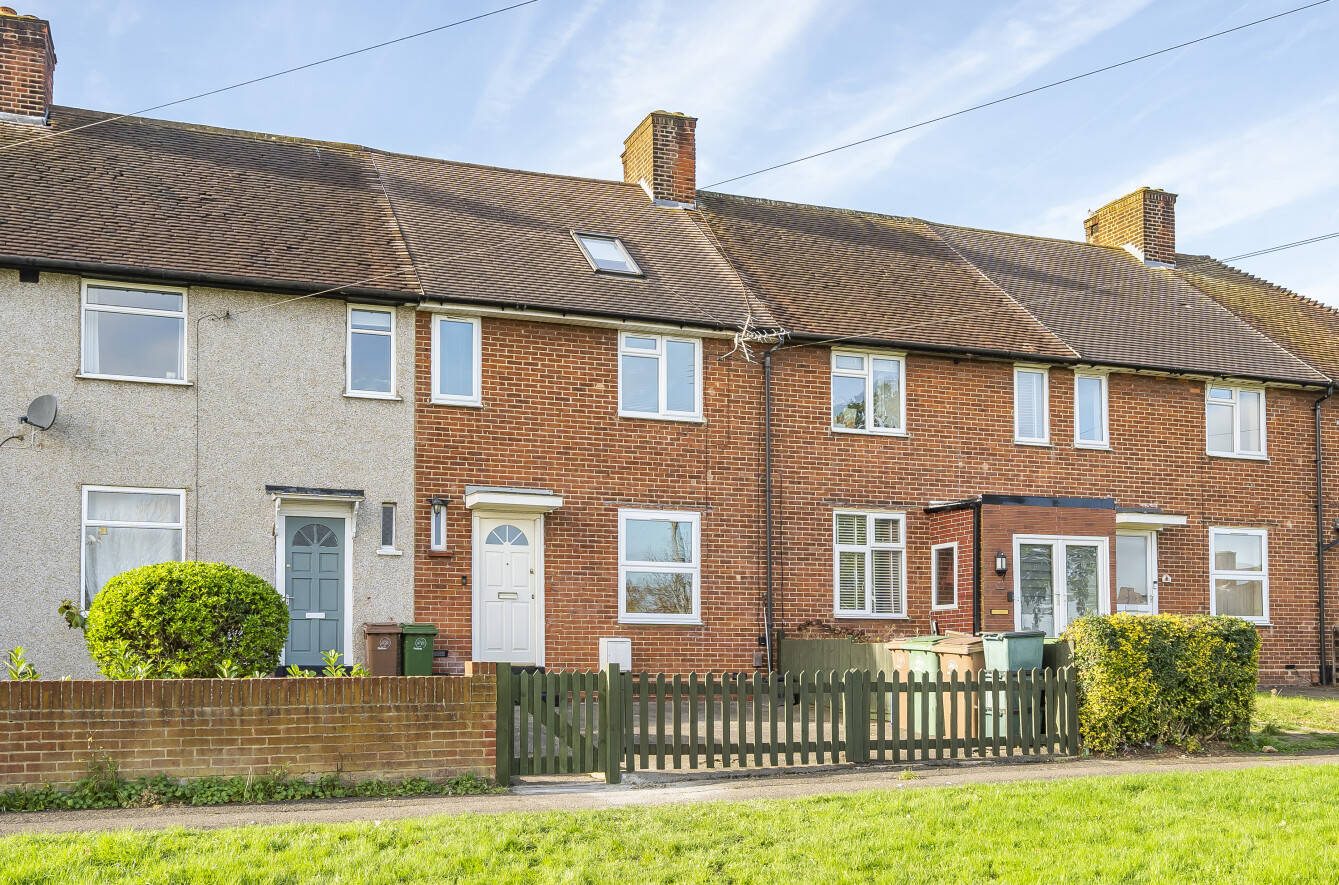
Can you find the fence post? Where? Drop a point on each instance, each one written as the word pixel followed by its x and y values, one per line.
pixel 611 726
pixel 857 716
pixel 1072 709
pixel 505 724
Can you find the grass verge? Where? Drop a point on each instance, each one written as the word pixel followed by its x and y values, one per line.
pixel 1265 825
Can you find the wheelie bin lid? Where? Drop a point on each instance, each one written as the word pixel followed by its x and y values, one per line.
pixel 960 645
pixel 420 628
pixel 381 627
pixel 1014 634
pixel 920 643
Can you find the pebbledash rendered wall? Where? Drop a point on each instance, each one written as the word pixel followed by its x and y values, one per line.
pixel 549 420
pixel 267 396
pixel 383 727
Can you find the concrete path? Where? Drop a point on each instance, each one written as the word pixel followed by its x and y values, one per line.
pixel 582 792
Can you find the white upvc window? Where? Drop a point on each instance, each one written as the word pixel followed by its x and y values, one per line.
pixel 370 348
pixel 388 535
pixel 869 392
pixel 437 526
pixel 1239 573
pixel 659 567
pixel 133 333
pixel 125 528
pixel 869 565
pixel 1032 415
pixel 944 576
pixel 1234 421
pixel 659 376
pixel 1090 411
pixel 457 361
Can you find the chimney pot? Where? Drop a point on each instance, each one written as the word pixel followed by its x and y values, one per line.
pixel 1143 222
pixel 29 57
pixel 662 153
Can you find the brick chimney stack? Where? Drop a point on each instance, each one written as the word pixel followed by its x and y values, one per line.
pixel 27 67
pixel 662 152
pixel 1143 222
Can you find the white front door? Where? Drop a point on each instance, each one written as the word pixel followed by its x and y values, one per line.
pixel 507 610
pixel 1057 580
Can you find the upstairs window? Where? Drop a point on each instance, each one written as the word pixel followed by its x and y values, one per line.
pixel 868 392
pixel 659 567
pixel 1032 422
pixel 869 565
pixel 134 334
pixel 607 254
pixel 1235 421
pixel 456 362
pixel 1239 570
pixel 1090 411
pixel 371 352
pixel 659 377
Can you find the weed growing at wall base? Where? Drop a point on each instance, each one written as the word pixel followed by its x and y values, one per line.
pixel 102 787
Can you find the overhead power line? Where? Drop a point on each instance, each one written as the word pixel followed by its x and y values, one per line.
pixel 276 74
pixel 1292 245
pixel 1035 89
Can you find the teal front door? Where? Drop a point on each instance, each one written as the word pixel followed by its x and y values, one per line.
pixel 314 575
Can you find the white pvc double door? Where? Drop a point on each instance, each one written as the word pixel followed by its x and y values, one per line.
pixel 1057 580
pixel 508 605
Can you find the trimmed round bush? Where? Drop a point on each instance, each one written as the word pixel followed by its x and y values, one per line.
pixel 185 618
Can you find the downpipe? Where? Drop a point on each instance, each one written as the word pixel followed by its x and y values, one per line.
pixel 1326 669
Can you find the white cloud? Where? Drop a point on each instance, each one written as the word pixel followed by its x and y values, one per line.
pixel 1233 179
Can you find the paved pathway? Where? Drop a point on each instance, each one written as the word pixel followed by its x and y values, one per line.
pixel 577 793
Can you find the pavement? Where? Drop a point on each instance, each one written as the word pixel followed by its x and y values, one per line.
pixel 575 793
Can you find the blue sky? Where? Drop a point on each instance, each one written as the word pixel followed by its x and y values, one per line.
pixel 1245 128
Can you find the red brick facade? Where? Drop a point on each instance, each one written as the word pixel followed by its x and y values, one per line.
pixel 662 151
pixel 27 65
pixel 392 727
pixel 549 420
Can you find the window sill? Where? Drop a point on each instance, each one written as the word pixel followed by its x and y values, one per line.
pixel 1232 457
pixel 389 551
pixel 171 382
pixel 647 416
pixel 944 608
pixel 657 623
pixel 1039 443
pixel 467 403
pixel 1093 447
pixel 354 394
pixel 853 616
pixel 858 432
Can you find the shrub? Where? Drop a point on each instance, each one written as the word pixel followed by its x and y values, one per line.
pixel 1164 679
pixel 185 619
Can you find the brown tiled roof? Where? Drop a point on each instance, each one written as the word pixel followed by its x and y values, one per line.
pixel 1308 329
pixel 833 273
pixel 171 197
pixel 483 234
pixel 1112 308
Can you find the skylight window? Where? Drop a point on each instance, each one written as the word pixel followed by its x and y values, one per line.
pixel 607 254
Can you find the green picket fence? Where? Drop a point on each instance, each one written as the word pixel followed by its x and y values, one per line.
pixel 566 723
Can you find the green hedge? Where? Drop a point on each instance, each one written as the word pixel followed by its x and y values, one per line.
pixel 184 619
pixel 1164 679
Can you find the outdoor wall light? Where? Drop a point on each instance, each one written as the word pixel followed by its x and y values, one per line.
pixel 1001 563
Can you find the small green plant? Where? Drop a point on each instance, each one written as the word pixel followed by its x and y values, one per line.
pixel 228 669
pixel 360 670
pixel 19 666
pixel 74 618
pixel 297 672
pixel 332 665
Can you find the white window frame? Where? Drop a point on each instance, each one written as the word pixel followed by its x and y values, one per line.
pixel 618 243
pixel 934 575
pixel 349 332
pixel 436 527
pixel 662 366
pixel 1105 441
pixel 868 374
pixel 1235 403
pixel 394 548
pixel 1045 438
pixel 85 307
pixel 475 398
pixel 85 523
pixel 1151 537
pixel 1235 575
pixel 625 565
pixel 867 548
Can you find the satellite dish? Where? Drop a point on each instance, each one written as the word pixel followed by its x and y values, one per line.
pixel 41 412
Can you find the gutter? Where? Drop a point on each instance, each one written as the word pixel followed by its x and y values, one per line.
pixel 1326 670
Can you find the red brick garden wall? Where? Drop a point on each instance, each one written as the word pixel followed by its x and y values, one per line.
pixel 379 727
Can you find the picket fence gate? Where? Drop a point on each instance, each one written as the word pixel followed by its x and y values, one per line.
pixel 568 722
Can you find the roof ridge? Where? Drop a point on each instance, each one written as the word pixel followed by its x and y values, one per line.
pixel 204 127
pixel 1264 282
pixel 511 169
pixel 764 201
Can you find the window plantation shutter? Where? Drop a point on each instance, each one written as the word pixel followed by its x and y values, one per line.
pixel 1029 405
pixel 851 581
pixel 887 582
pixel 851 529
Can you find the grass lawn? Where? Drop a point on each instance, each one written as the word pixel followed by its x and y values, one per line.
pixel 1291 723
pixel 1260 826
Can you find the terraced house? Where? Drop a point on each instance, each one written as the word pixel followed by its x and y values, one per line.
pixel 546 412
